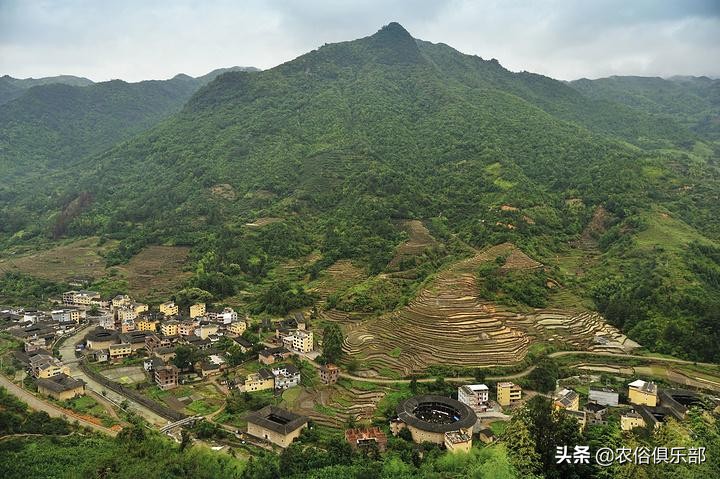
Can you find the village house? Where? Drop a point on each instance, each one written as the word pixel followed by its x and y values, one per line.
pixel 68 314
pixel 120 301
pixel 458 441
pixel 486 435
pixel 630 420
pixel 166 377
pixel 127 325
pixel 508 393
pixel 169 309
pixel 567 399
pixel 150 364
pixel 204 330
pixel 642 392
pixel 595 413
pixel 101 338
pixel 208 368
pixel 197 310
pixel 99 355
pixel 61 387
pixel 186 328
pixel 237 327
pixel 604 396
pixel 273 424
pixel 153 341
pixel 46 366
pixel 170 328
pixel 260 381
pixel 474 395
pixel 106 321
pixel 301 341
pixel 227 316
pixel 371 437
pixel 271 355
pixel 329 374
pixel 119 351
pixel 126 314
pixel 286 376
pixel 243 344
pixel 166 353
pixel 82 298
pixel 136 339
pixel 145 323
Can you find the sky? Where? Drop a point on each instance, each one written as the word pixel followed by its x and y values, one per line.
pixel 155 39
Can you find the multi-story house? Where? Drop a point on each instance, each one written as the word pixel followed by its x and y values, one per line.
pixel 169 309
pixel 197 310
pixel 474 395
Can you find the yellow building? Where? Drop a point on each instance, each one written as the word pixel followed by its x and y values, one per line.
pixel 169 309
pixel 259 381
pixel 147 324
pixel 278 426
pixel 205 330
pixel 631 420
pixel 140 307
pixel 121 300
pixel 126 314
pixel 301 341
pixel 567 399
pixel 120 351
pixel 197 310
pixel 169 328
pixel 642 392
pixel 458 441
pixel 508 393
pixel 238 327
pixel 61 387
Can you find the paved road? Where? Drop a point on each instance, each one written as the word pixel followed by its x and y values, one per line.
pixel 54 411
pixel 523 373
pixel 67 351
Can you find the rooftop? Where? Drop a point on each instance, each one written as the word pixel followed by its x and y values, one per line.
pixel 277 419
pixel 60 383
pixel 436 413
pixel 644 386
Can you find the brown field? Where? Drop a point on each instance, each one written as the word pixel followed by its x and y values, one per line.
pixel 338 277
pixel 155 272
pixel 76 259
pixel 260 222
pixel 419 240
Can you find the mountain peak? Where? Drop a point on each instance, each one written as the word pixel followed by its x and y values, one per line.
pixel 394 44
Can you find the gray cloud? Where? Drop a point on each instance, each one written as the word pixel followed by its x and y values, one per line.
pixel 136 39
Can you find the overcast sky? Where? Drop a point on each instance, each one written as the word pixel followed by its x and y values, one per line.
pixel 143 39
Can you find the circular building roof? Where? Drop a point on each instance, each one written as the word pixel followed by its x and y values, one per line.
pixel 436 413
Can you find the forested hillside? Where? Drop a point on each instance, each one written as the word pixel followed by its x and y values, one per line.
pixel 333 149
pixel 11 88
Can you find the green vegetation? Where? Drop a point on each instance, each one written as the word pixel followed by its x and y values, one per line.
pixel 527 287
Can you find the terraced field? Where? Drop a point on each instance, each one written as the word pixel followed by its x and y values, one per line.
pixel 448 324
pixel 338 277
pixel 419 239
pixel 335 406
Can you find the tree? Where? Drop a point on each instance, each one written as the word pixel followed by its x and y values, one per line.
pixel 185 357
pixel 545 375
pixel 480 375
pixel 332 343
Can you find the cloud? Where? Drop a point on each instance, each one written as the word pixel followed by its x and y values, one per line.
pixel 136 39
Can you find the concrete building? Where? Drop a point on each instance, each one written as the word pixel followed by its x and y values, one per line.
pixel 197 310
pixel 605 396
pixel 260 381
pixel 567 399
pixel 186 328
pixel 458 441
pixel 474 395
pixel 631 420
pixel 276 425
pixel 119 351
pixel 101 338
pixel 205 329
pixel 170 328
pixel 61 387
pixel 299 340
pixel 121 301
pixel 167 376
pixel 81 298
pixel 271 355
pixel 642 392
pixel 237 327
pixel 286 376
pixel 46 366
pixel 329 374
pixel 147 324
pixel 169 309
pixel 508 393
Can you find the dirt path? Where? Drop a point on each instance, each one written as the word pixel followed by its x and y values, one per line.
pixel 51 409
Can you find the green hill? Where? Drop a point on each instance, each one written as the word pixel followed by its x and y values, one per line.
pixel 331 150
pixel 11 88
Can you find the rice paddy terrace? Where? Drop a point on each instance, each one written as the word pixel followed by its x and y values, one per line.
pixel 448 324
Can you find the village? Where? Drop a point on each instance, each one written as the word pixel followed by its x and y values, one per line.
pixel 175 367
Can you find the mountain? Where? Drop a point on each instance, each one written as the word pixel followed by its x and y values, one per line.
pixel 325 157
pixel 11 88
pixel 692 101
pixel 53 123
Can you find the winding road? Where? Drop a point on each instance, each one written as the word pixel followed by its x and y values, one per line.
pixel 67 353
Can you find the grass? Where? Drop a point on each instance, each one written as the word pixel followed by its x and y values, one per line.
pixel 395 353
pixel 201 407
pixel 498 427
pixel 291 395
